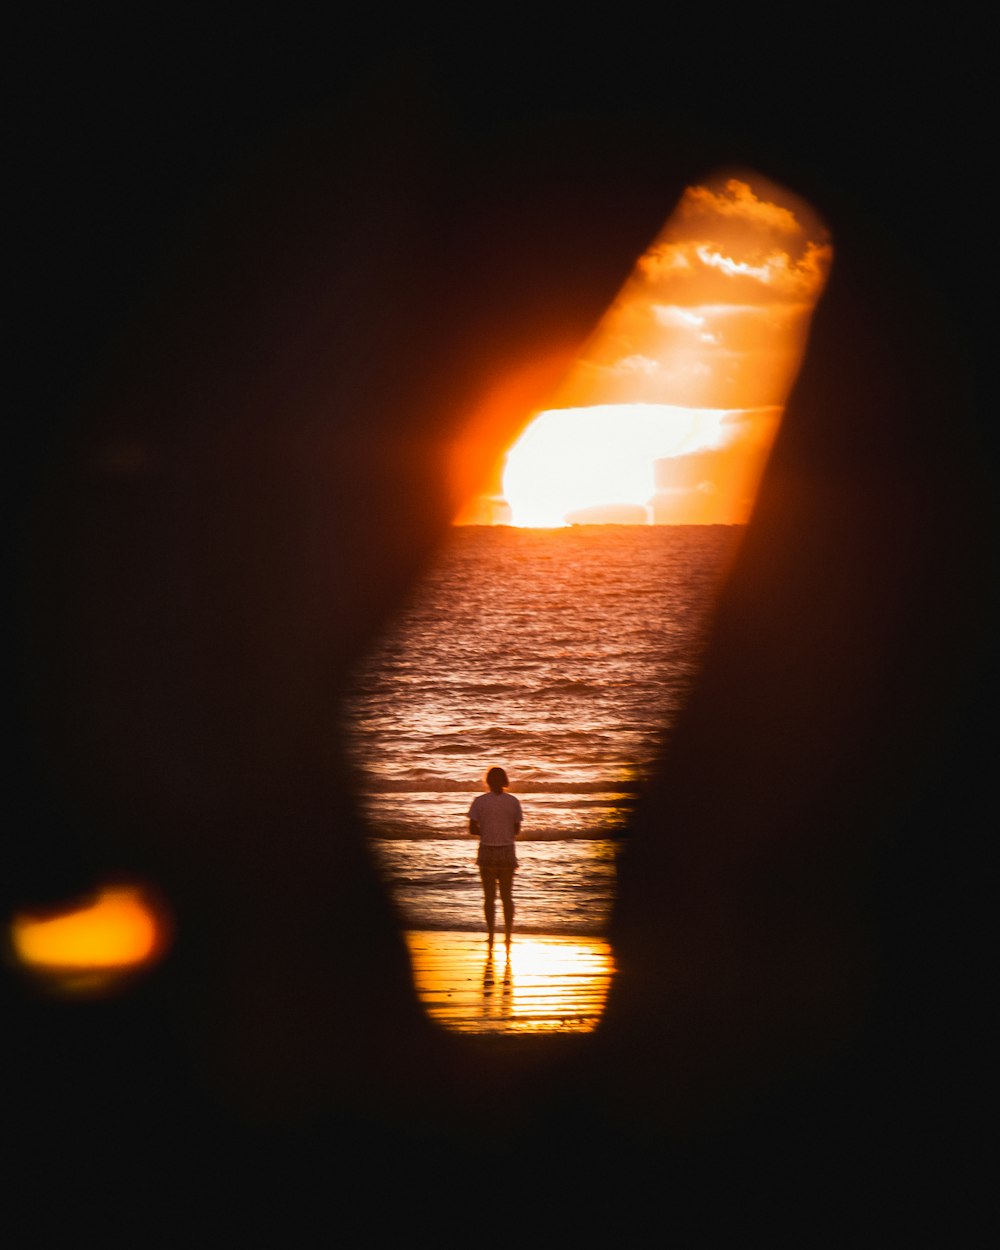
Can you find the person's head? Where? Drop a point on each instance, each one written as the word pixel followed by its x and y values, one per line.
pixel 496 779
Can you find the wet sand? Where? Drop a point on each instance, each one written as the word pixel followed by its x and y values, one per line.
pixel 547 984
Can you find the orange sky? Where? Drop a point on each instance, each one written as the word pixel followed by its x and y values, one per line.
pixel 672 404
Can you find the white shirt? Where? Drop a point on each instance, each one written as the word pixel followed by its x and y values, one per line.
pixel 498 817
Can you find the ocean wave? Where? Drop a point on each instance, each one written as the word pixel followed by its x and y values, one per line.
pixel 567 686
pixel 438 880
pixel 454 785
pixel 617 836
pixel 484 688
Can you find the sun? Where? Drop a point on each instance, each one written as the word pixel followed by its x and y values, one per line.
pixel 668 412
pixel 576 464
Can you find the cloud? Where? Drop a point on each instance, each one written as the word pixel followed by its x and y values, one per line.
pixel 638 364
pixel 724 241
pixel 715 311
pixel 674 316
pixel 729 271
pixel 788 278
pixel 663 259
pixel 666 260
pixel 737 201
pixel 739 268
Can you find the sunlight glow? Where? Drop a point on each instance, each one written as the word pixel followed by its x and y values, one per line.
pixel 571 459
pixel 666 415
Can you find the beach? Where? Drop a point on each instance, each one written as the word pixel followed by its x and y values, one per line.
pixel 574 696
pixel 546 984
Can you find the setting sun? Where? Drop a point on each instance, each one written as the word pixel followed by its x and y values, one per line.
pixel 668 413
pixel 574 465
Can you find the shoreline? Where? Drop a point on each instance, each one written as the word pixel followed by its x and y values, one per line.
pixel 619 838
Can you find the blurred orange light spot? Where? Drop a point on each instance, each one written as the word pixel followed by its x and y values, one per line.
pixel 118 931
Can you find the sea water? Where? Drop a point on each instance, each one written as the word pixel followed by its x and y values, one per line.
pixel 562 655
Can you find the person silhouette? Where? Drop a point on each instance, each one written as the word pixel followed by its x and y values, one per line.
pixel 495 819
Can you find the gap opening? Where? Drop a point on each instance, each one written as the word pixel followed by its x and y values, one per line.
pixel 561 627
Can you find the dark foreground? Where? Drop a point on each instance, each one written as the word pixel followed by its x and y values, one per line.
pixel 261 281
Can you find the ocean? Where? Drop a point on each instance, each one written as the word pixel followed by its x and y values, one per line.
pixel 562 655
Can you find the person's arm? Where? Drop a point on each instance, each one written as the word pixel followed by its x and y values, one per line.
pixel 517 828
pixel 473 828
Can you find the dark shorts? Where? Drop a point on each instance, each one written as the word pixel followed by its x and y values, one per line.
pixel 496 861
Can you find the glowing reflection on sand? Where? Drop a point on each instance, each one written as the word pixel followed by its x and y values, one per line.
pixel 545 984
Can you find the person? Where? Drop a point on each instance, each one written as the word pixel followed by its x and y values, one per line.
pixel 495 819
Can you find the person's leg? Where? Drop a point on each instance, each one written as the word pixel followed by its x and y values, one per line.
pixel 489 880
pixel 507 898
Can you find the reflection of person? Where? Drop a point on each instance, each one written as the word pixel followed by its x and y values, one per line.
pixel 491 1008
pixel 495 819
